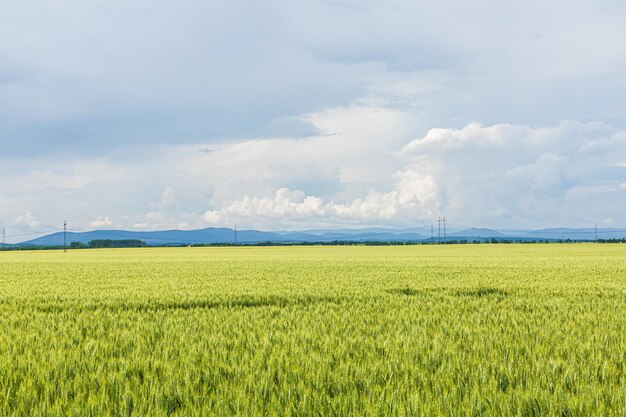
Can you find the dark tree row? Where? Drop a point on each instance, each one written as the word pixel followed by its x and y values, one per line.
pixel 110 243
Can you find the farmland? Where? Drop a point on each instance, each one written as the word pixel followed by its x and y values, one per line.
pixel 463 330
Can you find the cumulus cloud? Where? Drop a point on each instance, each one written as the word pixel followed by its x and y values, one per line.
pixel 101 222
pixel 523 175
pixel 355 151
pixel 251 113
pixel 414 197
pixel 27 220
pixel 508 175
pixel 365 170
pixel 167 198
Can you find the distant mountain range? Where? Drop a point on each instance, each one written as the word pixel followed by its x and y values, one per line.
pixel 477 233
pixel 220 235
pixel 213 235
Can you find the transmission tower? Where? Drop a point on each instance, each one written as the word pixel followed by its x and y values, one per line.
pixel 64 235
pixel 438 230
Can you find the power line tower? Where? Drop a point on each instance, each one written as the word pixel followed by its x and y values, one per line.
pixel 235 233
pixel 438 230
pixel 64 236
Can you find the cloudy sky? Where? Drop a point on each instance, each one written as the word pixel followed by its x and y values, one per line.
pixel 287 114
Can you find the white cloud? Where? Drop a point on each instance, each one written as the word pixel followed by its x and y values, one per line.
pixel 167 198
pixel 166 220
pixel 414 197
pixel 499 175
pixel 548 173
pixel 364 170
pixel 355 152
pixel 27 220
pixel 506 175
pixel 101 222
pixel 521 175
pixel 329 115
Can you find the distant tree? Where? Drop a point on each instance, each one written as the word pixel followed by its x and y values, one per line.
pixel 124 243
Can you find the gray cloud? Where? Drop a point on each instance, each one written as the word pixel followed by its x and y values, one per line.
pixel 499 175
pixel 91 76
pixel 102 104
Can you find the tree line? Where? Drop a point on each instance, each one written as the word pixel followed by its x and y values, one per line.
pixel 109 243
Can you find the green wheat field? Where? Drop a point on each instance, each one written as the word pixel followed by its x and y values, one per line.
pixel 454 330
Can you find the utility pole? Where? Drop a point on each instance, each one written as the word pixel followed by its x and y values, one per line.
pixel 235 233
pixel 64 236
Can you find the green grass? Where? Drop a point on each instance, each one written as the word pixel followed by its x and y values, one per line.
pixel 471 330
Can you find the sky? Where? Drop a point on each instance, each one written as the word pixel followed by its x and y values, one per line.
pixel 292 115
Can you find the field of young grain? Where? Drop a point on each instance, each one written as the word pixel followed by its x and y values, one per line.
pixel 481 330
